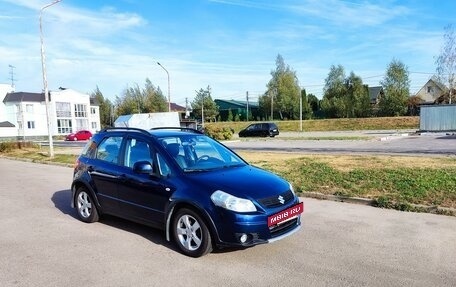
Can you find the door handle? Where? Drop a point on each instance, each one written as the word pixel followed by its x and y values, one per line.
pixel 123 178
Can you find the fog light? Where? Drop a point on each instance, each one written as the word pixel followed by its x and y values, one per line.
pixel 243 238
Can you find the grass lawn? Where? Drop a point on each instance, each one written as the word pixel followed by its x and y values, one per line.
pixel 390 180
pixel 381 123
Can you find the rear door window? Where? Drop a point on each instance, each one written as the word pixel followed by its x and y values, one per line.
pixel 109 149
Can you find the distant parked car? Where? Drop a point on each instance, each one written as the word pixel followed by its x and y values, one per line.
pixel 81 135
pixel 260 130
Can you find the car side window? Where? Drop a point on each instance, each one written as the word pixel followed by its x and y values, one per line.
pixel 137 150
pixel 251 127
pixel 163 166
pixel 108 150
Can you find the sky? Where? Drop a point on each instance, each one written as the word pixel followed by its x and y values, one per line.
pixel 229 45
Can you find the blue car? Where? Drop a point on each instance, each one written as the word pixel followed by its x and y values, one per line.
pixel 201 193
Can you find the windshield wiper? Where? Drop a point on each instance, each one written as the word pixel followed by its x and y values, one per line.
pixel 194 170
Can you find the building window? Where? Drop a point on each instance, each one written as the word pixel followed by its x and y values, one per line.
pixel 64 126
pixel 29 108
pixel 93 111
pixel 80 111
pixel 63 110
pixel 82 124
pixel 94 125
pixel 430 89
pixel 30 124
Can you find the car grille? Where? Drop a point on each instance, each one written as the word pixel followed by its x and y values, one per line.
pixel 273 201
pixel 283 228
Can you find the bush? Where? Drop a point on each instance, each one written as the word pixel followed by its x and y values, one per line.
pixel 9 146
pixel 218 133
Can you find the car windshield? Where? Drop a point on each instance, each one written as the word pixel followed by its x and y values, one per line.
pixel 200 153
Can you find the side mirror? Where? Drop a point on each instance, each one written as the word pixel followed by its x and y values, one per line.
pixel 142 167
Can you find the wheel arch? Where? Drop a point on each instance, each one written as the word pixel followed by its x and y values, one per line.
pixel 78 184
pixel 172 210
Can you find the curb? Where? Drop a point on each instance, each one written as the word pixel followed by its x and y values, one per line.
pixel 396 136
pixel 372 202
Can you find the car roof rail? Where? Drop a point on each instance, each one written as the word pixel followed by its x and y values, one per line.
pixel 113 129
pixel 178 128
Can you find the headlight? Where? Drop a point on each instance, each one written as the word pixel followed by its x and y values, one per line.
pixel 291 188
pixel 233 203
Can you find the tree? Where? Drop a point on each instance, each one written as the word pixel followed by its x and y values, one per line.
pixel 446 61
pixel 396 85
pixel 146 100
pixel 314 103
pixel 282 94
pixel 155 101
pixel 413 105
pixel 105 108
pixel 203 104
pixel 306 109
pixel 357 101
pixel 230 116
pixel 333 103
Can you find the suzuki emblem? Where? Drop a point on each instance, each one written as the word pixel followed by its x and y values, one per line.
pixel 280 198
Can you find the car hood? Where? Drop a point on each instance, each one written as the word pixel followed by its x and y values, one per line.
pixel 70 135
pixel 245 182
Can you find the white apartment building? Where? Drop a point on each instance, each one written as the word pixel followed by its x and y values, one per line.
pixel 23 114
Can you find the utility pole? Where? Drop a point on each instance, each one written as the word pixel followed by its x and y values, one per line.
pixel 45 83
pixel 300 109
pixel 12 75
pixel 202 112
pixel 272 106
pixel 187 112
pixel 247 96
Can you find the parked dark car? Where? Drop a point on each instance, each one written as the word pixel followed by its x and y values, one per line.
pixel 260 130
pixel 81 135
pixel 202 194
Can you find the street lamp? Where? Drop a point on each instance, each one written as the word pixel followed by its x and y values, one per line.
pixel 169 88
pixel 45 84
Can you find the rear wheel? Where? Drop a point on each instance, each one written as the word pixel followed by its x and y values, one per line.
pixel 191 233
pixel 85 206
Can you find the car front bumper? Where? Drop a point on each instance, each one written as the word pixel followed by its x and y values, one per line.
pixel 245 230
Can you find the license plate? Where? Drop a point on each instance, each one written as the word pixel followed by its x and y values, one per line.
pixel 286 214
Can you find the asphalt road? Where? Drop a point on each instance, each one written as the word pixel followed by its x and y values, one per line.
pixel 377 142
pixel 402 142
pixel 43 244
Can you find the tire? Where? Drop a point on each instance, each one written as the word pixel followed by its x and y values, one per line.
pixel 85 206
pixel 191 233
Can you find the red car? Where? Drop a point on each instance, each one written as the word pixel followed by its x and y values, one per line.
pixel 81 135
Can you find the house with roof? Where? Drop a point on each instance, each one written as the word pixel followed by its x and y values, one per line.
pixel 240 108
pixel 375 93
pixel 23 114
pixel 431 91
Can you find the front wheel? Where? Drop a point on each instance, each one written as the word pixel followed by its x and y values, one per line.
pixel 191 233
pixel 85 206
